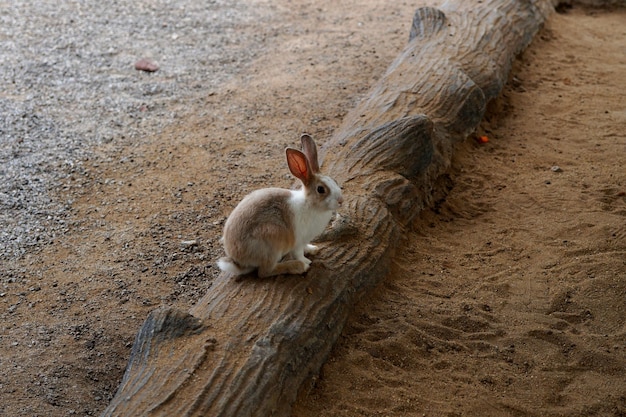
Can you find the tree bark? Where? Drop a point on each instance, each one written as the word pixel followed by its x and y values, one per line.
pixel 248 345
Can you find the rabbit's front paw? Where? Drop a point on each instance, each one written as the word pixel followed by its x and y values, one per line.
pixel 311 249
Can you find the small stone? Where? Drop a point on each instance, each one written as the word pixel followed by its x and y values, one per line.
pixel 146 65
pixel 556 168
pixel 188 243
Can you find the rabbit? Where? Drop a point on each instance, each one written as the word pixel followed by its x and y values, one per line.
pixel 271 223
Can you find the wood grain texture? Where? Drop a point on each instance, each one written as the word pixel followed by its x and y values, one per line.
pixel 248 345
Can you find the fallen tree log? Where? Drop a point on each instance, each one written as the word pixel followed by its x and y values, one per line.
pixel 247 346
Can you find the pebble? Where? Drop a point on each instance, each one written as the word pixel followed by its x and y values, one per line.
pixel 188 243
pixel 146 65
pixel 556 168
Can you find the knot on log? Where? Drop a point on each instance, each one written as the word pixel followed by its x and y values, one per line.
pixel 403 199
pixel 450 96
pixel 401 146
pixel 426 21
pixel 168 323
pixel 389 162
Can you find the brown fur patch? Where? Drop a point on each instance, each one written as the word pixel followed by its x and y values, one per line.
pixel 260 228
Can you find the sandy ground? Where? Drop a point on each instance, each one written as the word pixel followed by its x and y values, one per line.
pixel 508 297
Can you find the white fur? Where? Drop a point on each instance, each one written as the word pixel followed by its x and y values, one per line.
pixel 228 266
pixel 308 221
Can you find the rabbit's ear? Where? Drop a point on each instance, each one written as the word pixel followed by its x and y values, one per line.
pixel 310 150
pixel 298 165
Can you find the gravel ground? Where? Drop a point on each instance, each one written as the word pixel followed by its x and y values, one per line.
pixel 69 84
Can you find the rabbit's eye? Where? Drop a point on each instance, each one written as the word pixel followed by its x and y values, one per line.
pixel 321 189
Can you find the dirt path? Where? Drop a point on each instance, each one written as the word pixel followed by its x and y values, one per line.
pixel 507 300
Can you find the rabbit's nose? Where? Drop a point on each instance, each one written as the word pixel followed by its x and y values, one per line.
pixel 340 200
